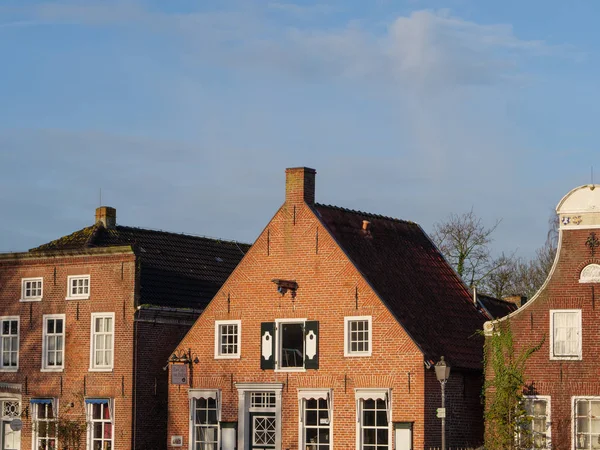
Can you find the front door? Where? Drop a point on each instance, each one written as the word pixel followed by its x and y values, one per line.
pixel 263 430
pixel 11 440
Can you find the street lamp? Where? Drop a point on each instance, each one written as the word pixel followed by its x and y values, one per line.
pixel 442 372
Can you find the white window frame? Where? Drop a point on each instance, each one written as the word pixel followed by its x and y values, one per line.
pixel 193 396
pixel 360 395
pixel 317 394
pixel 34 419
pixel 73 278
pixel 45 366
pixel 90 422
pixel 347 335
pixel 31 298
pixel 4 368
pixel 218 325
pixel 574 400
pixel 546 398
pixel 93 366
pixel 578 356
pixel 278 349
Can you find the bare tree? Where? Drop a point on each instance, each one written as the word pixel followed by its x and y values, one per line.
pixel 464 241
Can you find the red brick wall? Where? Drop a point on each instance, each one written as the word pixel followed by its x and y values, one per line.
pixel 326 292
pixel 155 343
pixel 563 379
pixel 464 407
pixel 112 290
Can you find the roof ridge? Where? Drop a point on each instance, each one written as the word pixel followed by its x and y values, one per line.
pixel 364 213
pixel 95 230
pixel 195 236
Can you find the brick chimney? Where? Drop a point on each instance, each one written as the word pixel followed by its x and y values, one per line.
pixel 106 215
pixel 300 185
pixel 518 300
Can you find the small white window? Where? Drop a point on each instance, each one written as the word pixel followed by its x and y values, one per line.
pixel 565 333
pixel 373 425
pixel 228 339
pixel 536 432
pixel 44 423
pixel 586 422
pixel 32 289
pixel 100 423
pixel 357 336
pixel 9 343
pixel 53 344
pixel 102 341
pixel 78 287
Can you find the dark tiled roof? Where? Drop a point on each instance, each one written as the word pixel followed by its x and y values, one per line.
pixel 415 282
pixel 177 270
pixel 494 307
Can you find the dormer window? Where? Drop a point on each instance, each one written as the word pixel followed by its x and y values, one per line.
pixel 78 287
pixel 32 289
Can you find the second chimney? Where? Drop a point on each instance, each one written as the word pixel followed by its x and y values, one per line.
pixel 106 215
pixel 300 185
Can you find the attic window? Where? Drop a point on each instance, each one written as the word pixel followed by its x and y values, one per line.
pixel 590 274
pixel 31 289
pixel 78 287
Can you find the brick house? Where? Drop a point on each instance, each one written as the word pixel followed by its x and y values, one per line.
pixel 324 337
pixel 563 392
pixel 87 323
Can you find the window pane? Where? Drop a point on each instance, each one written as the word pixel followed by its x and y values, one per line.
pixel 292 345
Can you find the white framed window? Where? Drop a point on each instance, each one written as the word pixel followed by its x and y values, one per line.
pixel 586 422
pixel 205 407
pixel 358 336
pixel 78 287
pixel 536 432
pixel 32 289
pixel 44 417
pixel 53 343
pixel 565 334
pixel 100 417
pixel 315 414
pixel 9 335
pixel 373 425
pixel 102 341
pixel 290 344
pixel 228 339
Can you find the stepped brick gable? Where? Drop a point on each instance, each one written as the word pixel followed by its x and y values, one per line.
pixel 324 337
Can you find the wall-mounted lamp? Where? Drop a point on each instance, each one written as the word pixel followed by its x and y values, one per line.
pixel 286 285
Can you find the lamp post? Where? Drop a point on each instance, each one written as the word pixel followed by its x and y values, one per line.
pixel 442 372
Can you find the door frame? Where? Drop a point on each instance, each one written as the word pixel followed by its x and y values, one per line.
pixel 244 424
pixel 9 396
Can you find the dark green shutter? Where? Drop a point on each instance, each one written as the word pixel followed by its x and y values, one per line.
pixel 267 342
pixel 311 345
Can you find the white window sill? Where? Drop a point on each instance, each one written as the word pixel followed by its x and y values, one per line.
pixel 9 369
pixel 26 300
pixel 47 369
pixel 97 369
pixel 291 369
pixel 565 358
pixel 227 356
pixel 357 355
pixel 83 297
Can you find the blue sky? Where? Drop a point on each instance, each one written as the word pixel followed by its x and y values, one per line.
pixel 186 113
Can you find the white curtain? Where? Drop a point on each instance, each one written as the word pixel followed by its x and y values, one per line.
pixel 566 333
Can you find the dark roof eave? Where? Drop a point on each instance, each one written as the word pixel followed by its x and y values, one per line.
pixel 94 251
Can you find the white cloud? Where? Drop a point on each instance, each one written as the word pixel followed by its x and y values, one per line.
pixel 424 50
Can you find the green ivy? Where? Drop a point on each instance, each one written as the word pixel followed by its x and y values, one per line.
pixel 505 417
